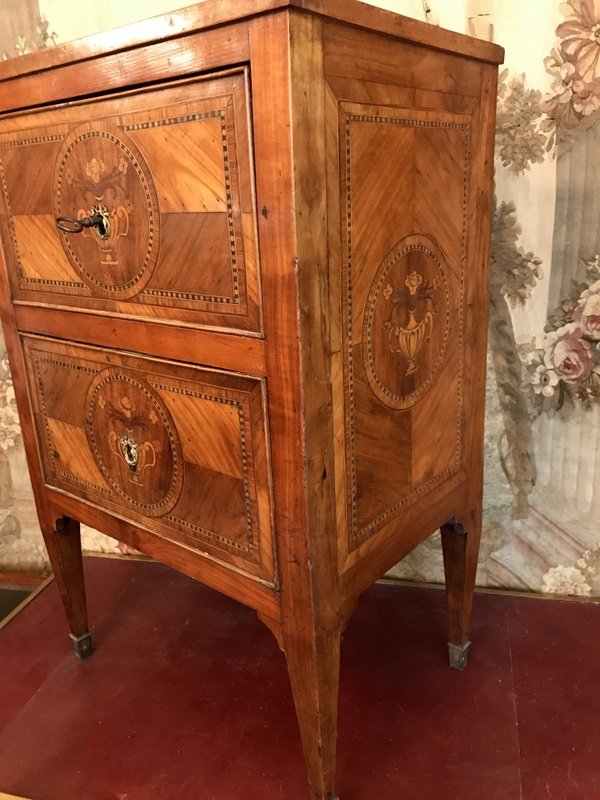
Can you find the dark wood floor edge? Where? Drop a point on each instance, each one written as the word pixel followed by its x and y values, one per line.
pixel 4 622
pixel 382 581
pixel 591 601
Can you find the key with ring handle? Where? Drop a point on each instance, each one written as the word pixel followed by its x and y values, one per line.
pixel 98 218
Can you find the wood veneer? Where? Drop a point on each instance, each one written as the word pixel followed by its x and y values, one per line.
pixel 262 359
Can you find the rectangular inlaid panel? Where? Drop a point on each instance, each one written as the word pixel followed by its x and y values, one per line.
pixel 179 450
pixel 167 176
pixel 403 204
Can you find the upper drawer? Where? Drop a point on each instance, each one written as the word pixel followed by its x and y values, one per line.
pixel 167 175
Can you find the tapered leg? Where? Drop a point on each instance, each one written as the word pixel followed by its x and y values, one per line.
pixel 314 669
pixel 461 548
pixel 63 543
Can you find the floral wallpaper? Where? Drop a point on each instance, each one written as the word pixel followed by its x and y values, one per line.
pixel 542 476
pixel 561 365
pixel 39 38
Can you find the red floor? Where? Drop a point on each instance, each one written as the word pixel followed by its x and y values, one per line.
pixel 186 698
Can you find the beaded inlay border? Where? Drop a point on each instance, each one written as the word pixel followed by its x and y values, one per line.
pixel 145 178
pixel 229 164
pixel 249 547
pixel 36 360
pixel 220 114
pixel 23 279
pixel 357 534
pixel 48 137
pixel 393 400
pixel 171 497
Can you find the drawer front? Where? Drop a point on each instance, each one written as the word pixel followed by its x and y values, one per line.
pixel 180 450
pixel 167 175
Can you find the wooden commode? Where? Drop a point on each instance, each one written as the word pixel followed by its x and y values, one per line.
pixel 244 298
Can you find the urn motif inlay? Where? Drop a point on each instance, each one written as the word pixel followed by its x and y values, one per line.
pixel 101 170
pixel 406 322
pixel 134 441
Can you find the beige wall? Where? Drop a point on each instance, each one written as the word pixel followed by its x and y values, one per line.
pixel 73 21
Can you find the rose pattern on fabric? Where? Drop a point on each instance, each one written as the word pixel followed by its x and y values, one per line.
pixel 544 380
pixel 566 581
pixel 567 352
pixel 567 365
pixel 564 75
pixel 587 313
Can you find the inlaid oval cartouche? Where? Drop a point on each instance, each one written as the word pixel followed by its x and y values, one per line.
pixel 406 322
pixel 100 169
pixel 134 441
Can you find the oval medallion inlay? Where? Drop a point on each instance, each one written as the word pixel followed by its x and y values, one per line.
pixel 134 441
pixel 100 169
pixel 406 322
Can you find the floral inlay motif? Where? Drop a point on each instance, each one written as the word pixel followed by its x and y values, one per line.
pixel 138 455
pixel 134 442
pixel 127 406
pixel 99 173
pixel 111 198
pixel 95 169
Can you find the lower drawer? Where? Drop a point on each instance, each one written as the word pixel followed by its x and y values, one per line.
pixel 179 450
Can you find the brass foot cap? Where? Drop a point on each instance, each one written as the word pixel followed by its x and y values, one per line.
pixel 458 655
pixel 82 645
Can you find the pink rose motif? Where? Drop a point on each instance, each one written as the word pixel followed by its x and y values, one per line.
pixel 587 313
pixel 568 354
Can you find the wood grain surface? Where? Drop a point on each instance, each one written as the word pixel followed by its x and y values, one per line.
pixel 180 450
pixel 172 171
pixel 213 13
pixel 262 362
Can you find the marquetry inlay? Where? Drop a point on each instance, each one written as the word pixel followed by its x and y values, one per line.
pixel 99 166
pixel 222 116
pixel 176 448
pixel 402 311
pixel 244 292
pixel 406 322
pixel 134 441
pixel 243 413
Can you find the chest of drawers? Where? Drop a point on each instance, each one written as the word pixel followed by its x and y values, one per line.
pixel 244 299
